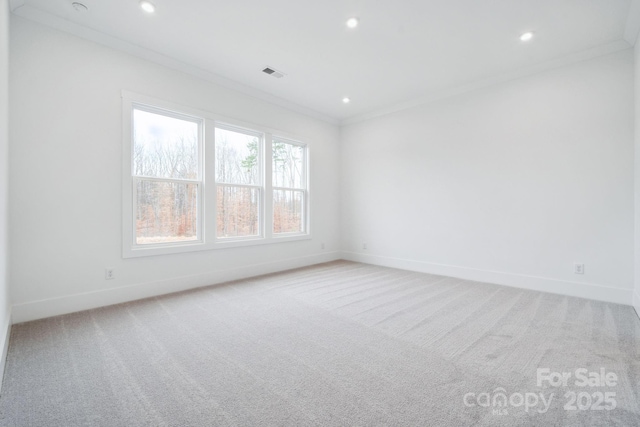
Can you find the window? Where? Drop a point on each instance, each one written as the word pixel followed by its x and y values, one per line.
pixel 166 176
pixel 193 181
pixel 239 182
pixel 289 186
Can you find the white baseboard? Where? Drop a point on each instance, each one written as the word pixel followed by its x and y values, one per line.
pixel 4 342
pixel 34 310
pixel 636 301
pixel 84 301
pixel 544 284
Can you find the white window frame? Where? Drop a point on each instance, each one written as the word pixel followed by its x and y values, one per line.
pixel 207 185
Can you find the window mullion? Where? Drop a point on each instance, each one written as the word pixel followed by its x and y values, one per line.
pixel 134 204
pixel 289 189
pixel 268 186
pixel 226 184
pixel 174 180
pixel 210 188
pixel 305 194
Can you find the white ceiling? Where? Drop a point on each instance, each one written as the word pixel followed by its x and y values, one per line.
pixel 403 51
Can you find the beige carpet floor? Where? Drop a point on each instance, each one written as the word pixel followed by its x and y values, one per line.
pixel 338 344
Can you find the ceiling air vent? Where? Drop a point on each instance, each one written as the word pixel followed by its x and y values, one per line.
pixel 275 73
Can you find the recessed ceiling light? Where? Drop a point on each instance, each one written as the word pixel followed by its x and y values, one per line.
pixel 526 36
pixel 147 6
pixel 346 100
pixel 80 7
pixel 352 22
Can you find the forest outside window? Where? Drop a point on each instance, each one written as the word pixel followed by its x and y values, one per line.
pixel 192 181
pixel 289 186
pixel 239 182
pixel 166 177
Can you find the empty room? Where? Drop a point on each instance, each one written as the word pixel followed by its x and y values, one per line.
pixel 336 213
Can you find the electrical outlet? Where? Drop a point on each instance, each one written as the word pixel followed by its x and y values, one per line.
pixel 322 245
pixel 578 268
pixel 364 246
pixel 109 274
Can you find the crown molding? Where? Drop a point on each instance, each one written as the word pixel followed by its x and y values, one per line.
pixel 37 15
pixel 18 7
pixel 502 78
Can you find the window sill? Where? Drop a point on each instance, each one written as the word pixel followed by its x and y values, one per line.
pixel 179 248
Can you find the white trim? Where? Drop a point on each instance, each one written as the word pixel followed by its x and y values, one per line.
pixel 543 284
pixel 37 15
pixel 636 301
pixel 491 81
pixel 267 178
pixel 4 340
pixel 196 246
pixel 130 248
pixel 632 28
pixel 171 180
pixel 84 301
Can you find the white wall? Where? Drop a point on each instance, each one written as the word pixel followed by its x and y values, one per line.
pixel 510 184
pixel 636 294
pixel 5 301
pixel 5 305
pixel 65 199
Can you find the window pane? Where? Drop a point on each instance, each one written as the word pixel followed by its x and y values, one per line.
pixel 288 215
pixel 288 165
pixel 166 212
pixel 237 157
pixel 237 211
pixel 164 147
